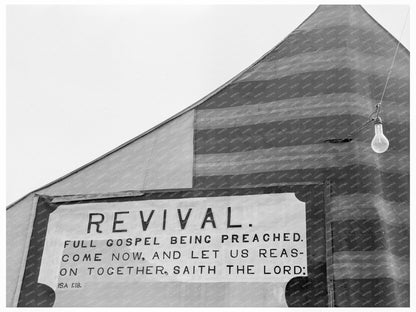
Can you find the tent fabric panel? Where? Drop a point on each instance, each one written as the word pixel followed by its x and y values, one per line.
pixel 269 127
pixel 370 264
pixel 18 229
pixel 364 206
pixel 297 132
pixel 162 159
pixel 369 63
pixel 362 180
pixel 299 157
pixel 371 292
pixel 323 105
pixel 328 16
pixel 171 163
pixel 338 80
pixel 371 235
pixel 335 37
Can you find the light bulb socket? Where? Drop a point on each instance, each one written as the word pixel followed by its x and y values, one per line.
pixel 378 121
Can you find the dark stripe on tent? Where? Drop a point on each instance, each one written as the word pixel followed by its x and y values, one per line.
pixel 333 37
pixel 291 133
pixel 348 180
pixel 370 235
pixel 377 292
pixel 340 80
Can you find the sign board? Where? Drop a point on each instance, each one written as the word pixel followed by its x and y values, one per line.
pixel 259 246
pixel 249 238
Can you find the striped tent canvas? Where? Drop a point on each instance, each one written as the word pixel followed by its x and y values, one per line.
pixel 267 127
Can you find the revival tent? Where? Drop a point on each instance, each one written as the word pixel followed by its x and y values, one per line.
pixel 264 131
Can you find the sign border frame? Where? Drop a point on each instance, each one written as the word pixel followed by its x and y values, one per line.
pixel 47 204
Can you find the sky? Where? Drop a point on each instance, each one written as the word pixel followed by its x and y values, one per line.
pixel 81 80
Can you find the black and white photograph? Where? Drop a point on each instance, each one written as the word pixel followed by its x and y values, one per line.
pixel 234 154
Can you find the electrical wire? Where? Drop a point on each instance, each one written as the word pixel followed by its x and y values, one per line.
pixel 378 106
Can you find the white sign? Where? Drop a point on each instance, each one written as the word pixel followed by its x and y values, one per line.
pixel 250 238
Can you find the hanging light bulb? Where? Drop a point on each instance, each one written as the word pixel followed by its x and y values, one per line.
pixel 379 144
